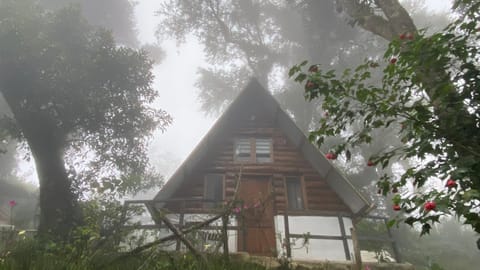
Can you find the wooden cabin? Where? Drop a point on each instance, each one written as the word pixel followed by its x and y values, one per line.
pixel 288 190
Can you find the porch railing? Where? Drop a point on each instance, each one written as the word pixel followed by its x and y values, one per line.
pixel 182 207
pixel 388 239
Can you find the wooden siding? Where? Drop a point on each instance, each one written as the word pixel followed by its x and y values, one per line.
pixel 287 161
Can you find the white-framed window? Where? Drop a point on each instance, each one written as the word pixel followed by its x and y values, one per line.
pixel 255 150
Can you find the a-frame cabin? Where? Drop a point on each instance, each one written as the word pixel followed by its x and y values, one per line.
pixel 287 187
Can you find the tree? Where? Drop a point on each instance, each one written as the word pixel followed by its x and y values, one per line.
pixel 429 94
pixel 115 15
pixel 76 98
pixel 257 38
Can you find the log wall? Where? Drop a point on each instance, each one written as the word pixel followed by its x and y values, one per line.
pixel 287 161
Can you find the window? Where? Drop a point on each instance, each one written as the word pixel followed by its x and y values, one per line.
pixel 213 189
pixel 253 150
pixel 242 149
pixel 294 193
pixel 263 150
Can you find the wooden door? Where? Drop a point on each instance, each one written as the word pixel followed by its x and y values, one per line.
pixel 257 236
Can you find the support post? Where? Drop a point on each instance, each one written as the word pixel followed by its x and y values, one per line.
pixel 344 238
pixel 396 252
pixel 356 250
pixel 225 237
pixel 287 235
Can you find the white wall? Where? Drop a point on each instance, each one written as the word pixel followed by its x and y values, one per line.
pixel 316 249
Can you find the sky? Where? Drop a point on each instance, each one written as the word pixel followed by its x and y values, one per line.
pixel 175 79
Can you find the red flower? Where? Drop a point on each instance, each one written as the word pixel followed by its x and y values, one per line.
pixel 451 183
pixel 428 206
pixel 393 60
pixel 12 203
pixel 310 85
pixel 403 36
pixel 331 156
pixel 370 163
pixel 396 207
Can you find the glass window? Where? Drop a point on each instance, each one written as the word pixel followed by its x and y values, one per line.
pixel 213 189
pixel 294 193
pixel 242 149
pixel 263 149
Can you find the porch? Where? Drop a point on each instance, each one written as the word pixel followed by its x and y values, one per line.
pixel 300 236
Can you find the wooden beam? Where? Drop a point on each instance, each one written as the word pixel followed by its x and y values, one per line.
pixel 356 250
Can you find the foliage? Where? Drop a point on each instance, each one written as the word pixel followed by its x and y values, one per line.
pixel 256 38
pixel 429 95
pixel 29 254
pixel 448 245
pixel 115 15
pixel 76 98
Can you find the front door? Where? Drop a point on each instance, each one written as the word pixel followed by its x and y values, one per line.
pixel 257 235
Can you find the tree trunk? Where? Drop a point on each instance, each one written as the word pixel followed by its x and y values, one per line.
pixel 59 212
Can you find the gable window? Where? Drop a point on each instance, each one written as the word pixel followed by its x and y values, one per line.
pixel 263 150
pixel 257 150
pixel 243 149
pixel 294 193
pixel 213 189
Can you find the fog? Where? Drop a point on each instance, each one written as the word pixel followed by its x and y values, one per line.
pixel 190 58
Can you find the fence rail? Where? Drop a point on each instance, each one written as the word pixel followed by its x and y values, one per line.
pixel 182 210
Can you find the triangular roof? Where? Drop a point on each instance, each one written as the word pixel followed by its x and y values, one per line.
pixel 255 97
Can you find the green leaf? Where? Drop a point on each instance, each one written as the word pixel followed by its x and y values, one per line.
pixel 301 77
pixel 292 71
pixel 390 223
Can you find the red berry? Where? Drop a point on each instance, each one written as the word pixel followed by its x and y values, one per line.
pixel 428 206
pixel 393 60
pixel 451 183
pixel 331 156
pixel 310 85
pixel 313 68
pixel 403 36
pixel 396 207
pixel 370 163
pixel 410 36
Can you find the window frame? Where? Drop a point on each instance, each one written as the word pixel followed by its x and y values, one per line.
pixel 302 192
pixel 205 191
pixel 253 150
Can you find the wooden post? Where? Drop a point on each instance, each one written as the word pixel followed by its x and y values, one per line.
pixel 356 250
pixel 396 252
pixel 225 237
pixel 287 234
pixel 182 238
pixel 344 238
pixel 180 225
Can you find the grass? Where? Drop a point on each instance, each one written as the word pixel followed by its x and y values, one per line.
pixel 30 255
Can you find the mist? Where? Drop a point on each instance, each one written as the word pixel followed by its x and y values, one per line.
pixel 204 55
